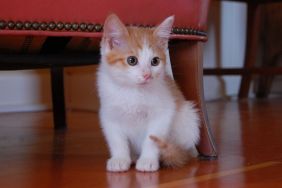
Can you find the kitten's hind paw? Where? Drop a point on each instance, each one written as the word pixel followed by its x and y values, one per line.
pixel 118 164
pixel 147 165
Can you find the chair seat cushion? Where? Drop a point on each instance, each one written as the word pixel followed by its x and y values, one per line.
pixel 84 18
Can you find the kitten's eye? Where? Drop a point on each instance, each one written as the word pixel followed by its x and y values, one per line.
pixel 132 60
pixel 155 61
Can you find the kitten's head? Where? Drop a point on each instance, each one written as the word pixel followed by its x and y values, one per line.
pixel 135 56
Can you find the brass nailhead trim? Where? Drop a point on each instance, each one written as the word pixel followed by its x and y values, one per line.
pixel 75 26
pixel 27 25
pixel 52 26
pixel 35 25
pixel 60 26
pixel 2 24
pixel 98 27
pixel 43 26
pixel 90 27
pixel 19 25
pixel 11 25
pixel 85 27
pixel 67 26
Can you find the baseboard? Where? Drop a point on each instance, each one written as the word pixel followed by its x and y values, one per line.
pixel 24 108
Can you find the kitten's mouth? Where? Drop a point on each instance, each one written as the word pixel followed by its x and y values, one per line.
pixel 145 82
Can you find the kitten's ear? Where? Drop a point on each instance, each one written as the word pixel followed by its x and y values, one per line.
pixel 163 30
pixel 115 31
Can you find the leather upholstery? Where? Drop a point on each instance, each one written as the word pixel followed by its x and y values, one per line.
pixel 188 14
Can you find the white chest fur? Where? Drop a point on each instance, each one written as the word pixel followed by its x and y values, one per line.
pixel 125 104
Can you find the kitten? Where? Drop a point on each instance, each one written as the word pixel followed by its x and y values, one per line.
pixel 143 114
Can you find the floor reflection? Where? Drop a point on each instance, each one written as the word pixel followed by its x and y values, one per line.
pixel 132 179
pixel 161 178
pixel 58 157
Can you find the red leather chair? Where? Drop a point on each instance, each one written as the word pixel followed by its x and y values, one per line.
pixel 58 33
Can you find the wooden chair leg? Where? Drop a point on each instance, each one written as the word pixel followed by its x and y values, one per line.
pixel 253 27
pixel 58 98
pixel 264 82
pixel 187 66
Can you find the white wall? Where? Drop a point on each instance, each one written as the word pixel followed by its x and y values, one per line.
pixel 225 48
pixel 24 91
pixel 31 91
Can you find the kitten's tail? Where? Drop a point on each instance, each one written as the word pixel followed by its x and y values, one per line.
pixel 171 154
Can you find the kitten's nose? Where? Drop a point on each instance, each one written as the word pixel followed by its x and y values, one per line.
pixel 147 76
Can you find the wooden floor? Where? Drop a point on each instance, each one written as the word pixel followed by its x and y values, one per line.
pixel 248 136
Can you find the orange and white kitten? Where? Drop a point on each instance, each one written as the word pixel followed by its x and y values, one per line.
pixel 143 114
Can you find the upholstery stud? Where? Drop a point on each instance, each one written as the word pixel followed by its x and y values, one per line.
pixel 52 26
pixel 60 26
pixel 11 25
pixel 74 26
pixel 35 25
pixel 175 30
pixel 3 24
pixel 27 25
pixel 90 27
pixel 98 27
pixel 19 25
pixel 82 26
pixel 67 26
pixel 43 25
pixel 189 31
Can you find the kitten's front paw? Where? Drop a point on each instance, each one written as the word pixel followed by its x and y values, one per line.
pixel 118 164
pixel 147 165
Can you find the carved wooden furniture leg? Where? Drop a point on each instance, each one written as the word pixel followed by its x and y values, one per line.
pixel 187 66
pixel 253 23
pixel 264 82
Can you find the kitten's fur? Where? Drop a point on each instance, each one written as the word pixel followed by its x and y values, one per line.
pixel 143 114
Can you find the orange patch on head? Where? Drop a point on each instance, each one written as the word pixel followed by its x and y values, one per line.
pixel 137 39
pixel 140 38
pixel 116 58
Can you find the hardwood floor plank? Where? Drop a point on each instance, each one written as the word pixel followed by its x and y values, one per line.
pixel 207 177
pixel 248 136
